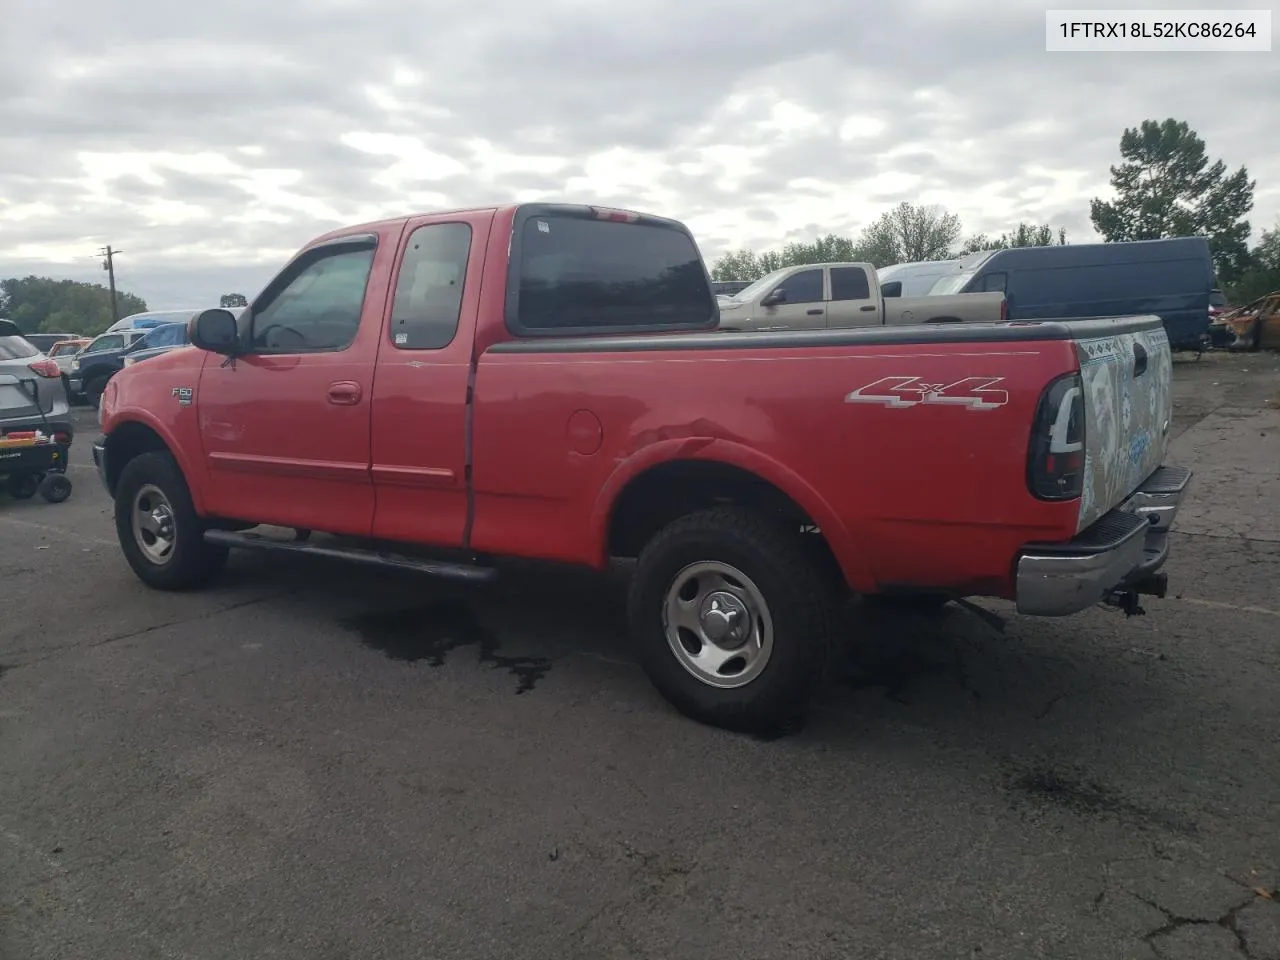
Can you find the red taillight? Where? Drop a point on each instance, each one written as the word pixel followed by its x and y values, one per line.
pixel 615 216
pixel 45 367
pixel 63 438
pixel 1055 458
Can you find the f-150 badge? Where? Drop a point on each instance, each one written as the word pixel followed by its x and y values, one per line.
pixel 976 393
pixel 183 395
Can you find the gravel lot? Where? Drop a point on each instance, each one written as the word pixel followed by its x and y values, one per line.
pixel 316 761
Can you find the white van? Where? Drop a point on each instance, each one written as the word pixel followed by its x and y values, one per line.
pixel 151 318
pixel 914 279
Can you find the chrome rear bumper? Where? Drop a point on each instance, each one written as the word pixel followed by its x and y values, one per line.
pixel 1119 552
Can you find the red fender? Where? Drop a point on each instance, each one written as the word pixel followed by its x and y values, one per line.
pixel 852 563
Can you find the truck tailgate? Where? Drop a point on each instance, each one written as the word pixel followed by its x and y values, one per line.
pixel 1128 406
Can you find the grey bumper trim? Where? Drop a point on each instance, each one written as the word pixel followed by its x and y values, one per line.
pixel 1057 580
pixel 100 461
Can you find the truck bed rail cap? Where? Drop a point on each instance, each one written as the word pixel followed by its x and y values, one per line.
pixel 1011 331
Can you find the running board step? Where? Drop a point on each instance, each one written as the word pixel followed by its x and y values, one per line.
pixel 376 558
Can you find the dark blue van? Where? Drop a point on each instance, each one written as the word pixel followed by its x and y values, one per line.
pixel 1169 278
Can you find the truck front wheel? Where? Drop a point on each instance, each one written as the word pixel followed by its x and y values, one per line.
pixel 733 617
pixel 94 389
pixel 159 530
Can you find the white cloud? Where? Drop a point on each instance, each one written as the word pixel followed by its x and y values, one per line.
pixel 208 148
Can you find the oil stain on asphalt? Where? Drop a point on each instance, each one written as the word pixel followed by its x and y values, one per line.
pixel 428 632
pixel 1073 790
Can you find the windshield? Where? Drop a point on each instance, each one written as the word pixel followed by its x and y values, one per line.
pixel 768 280
pixel 952 283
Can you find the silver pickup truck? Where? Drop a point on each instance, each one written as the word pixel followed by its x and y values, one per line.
pixel 836 295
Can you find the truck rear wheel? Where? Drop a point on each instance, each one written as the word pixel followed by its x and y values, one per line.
pixel 732 615
pixel 159 530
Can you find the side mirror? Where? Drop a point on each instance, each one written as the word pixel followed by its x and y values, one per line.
pixel 891 288
pixel 215 330
pixel 776 296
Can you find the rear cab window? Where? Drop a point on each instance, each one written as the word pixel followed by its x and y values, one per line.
pixel 579 270
pixel 16 348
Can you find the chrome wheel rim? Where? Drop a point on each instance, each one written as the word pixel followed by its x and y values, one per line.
pixel 154 530
pixel 718 624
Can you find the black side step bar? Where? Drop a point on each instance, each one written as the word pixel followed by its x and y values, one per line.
pixel 377 558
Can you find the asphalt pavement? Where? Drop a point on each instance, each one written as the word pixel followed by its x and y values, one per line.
pixel 316 761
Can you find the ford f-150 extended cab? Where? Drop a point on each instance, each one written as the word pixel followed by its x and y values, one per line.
pixel 548 382
pixel 825 296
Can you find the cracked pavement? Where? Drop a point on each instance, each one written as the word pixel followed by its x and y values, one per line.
pixel 317 761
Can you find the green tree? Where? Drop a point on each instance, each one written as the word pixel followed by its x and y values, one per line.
pixel 747 265
pixel 62 306
pixel 828 249
pixel 737 265
pixel 1166 187
pixel 909 234
pixel 233 300
pixel 1263 273
pixel 1024 235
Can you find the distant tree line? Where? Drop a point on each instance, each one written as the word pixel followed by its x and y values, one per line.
pixel 38 304
pixel 905 234
pixel 1165 186
pixel 42 304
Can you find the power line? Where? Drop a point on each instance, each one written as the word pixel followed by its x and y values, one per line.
pixel 109 265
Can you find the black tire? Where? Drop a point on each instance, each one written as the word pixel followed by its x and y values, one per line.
pixel 55 488
pixel 190 562
pixel 93 390
pixel 800 587
pixel 1255 344
pixel 23 486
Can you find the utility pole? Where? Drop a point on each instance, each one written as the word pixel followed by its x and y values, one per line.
pixel 109 265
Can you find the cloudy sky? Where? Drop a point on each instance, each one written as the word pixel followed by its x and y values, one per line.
pixel 208 142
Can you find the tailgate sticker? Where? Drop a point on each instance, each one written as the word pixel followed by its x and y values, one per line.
pixel 973 393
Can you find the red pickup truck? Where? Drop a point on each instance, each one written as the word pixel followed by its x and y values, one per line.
pixel 546 381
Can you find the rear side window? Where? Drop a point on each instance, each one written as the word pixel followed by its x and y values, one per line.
pixel 428 297
pixel 849 283
pixel 16 348
pixel 578 274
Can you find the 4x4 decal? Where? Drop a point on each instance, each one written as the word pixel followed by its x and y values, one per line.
pixel 976 393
